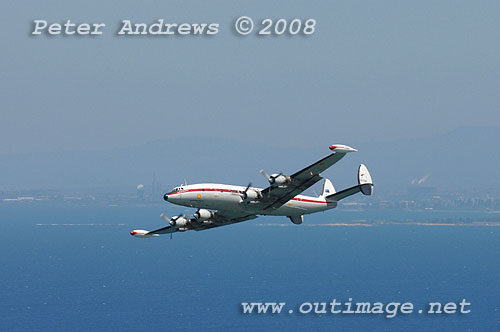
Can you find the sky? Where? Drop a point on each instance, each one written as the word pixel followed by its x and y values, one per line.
pixel 373 70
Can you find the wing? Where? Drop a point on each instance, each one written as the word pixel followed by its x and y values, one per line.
pixel 220 218
pixel 164 230
pixel 223 218
pixel 274 197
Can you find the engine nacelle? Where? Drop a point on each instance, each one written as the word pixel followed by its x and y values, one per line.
pixel 279 179
pixel 252 194
pixel 179 222
pixel 202 214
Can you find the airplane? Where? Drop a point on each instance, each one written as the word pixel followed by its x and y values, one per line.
pixel 221 205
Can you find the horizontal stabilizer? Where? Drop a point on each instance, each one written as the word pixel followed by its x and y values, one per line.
pixel 365 186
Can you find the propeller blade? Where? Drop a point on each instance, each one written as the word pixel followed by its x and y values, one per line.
pixel 170 221
pixel 244 195
pixel 268 178
pixel 165 218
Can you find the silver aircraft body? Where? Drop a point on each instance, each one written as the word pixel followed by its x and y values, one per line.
pixel 221 204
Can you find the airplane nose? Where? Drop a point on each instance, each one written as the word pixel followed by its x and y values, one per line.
pixel 165 197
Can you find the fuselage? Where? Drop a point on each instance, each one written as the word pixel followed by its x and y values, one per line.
pixel 222 197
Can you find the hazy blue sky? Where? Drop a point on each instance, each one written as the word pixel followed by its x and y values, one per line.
pixel 373 69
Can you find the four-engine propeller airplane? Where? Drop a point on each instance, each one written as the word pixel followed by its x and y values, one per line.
pixel 220 204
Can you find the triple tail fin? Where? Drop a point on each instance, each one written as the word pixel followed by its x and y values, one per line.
pixel 365 186
pixel 328 188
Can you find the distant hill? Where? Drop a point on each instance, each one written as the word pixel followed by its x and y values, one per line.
pixel 462 159
pixel 465 158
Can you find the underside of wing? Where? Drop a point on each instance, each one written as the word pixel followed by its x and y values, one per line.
pixel 275 196
pixel 164 230
pixel 184 223
pixel 223 218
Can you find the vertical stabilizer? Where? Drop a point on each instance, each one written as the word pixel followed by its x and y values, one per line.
pixel 365 180
pixel 328 188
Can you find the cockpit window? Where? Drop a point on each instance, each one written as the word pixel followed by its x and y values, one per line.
pixel 175 189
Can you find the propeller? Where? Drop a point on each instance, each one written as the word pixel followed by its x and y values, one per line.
pixel 186 215
pixel 170 221
pixel 267 176
pixel 270 178
pixel 245 195
pixel 166 218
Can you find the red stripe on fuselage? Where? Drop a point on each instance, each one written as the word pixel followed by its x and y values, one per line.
pixel 239 192
pixel 307 200
pixel 206 189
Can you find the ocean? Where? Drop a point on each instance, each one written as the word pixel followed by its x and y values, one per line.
pixel 76 268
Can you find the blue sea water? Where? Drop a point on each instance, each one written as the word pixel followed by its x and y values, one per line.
pixel 99 278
